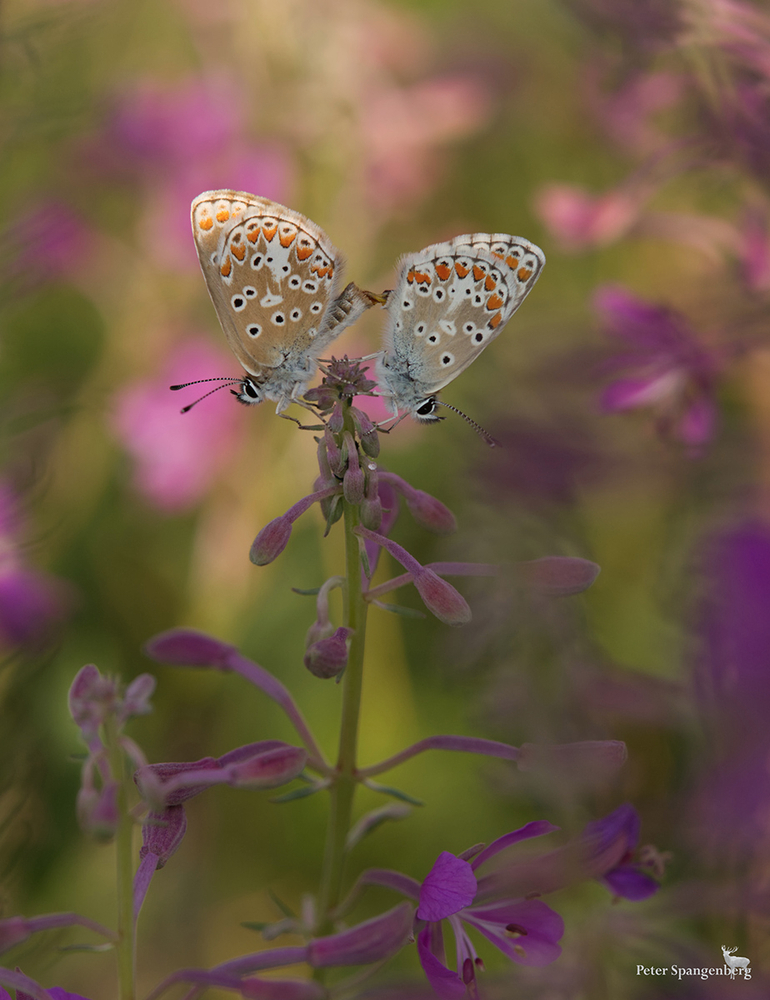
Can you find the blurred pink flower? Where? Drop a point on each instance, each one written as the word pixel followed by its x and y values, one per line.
pixel 402 129
pixel 46 242
pixel 578 219
pixel 669 370
pixel 32 603
pixel 178 455
pixel 626 113
pixel 755 249
pixel 184 139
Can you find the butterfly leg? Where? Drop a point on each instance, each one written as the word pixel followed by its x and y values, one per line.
pixel 303 427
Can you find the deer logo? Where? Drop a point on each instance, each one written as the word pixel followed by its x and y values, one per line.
pixel 734 961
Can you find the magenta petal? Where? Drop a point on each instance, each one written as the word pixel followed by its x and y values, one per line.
pixel 630 883
pixel 527 931
pixel 449 886
pixel 447 984
pixel 698 422
pixel 368 942
pixel 188 648
pixel 628 393
pixel 537 828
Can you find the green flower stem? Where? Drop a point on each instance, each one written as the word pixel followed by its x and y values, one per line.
pixel 345 780
pixel 124 859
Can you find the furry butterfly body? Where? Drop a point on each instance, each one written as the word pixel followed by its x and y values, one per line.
pixel 274 279
pixel 451 300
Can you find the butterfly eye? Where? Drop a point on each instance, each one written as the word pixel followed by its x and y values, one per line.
pixel 425 411
pixel 249 392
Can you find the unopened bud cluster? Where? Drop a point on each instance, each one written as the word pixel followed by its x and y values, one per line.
pixel 349 444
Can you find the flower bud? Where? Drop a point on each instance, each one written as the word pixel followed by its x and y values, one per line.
pixel 441 598
pixel 91 699
pixel 337 419
pixel 430 513
pixel 268 769
pixel 186 647
pixel 97 811
pixel 271 541
pixel 333 453
pixel 329 657
pixel 162 833
pixel 354 480
pixel 325 473
pixel 427 511
pixel 332 509
pixel 367 432
pixel 370 513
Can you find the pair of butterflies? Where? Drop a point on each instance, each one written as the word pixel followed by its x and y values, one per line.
pixel 274 279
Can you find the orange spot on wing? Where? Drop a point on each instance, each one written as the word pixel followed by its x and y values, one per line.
pixel 498 255
pixel 269 232
pixel 253 234
pixel 223 215
pixel 512 262
pixel 461 271
pixel 239 251
pixel 287 239
pixel 304 252
pixel 524 274
pixel 495 321
pixel 206 223
pixel 320 271
pixel 478 274
pixel 489 283
pixel 410 277
pixel 331 272
pixel 421 278
pixel 443 271
pixel 494 302
pixel 226 268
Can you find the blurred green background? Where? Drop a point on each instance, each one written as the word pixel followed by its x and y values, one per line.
pixel 392 125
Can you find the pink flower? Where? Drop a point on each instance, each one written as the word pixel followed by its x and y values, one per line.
pixel 177 456
pixel 182 140
pixel 669 371
pixel 402 128
pixel 578 219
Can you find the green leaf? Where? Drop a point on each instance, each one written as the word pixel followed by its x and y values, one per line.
pixel 296 793
pixel 364 558
pixel 285 910
pixel 312 592
pixel 394 792
pixel 107 946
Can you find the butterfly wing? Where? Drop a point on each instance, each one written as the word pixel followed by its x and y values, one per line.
pixel 450 301
pixel 274 279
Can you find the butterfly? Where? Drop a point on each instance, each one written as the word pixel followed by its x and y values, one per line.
pixel 274 279
pixel 451 300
